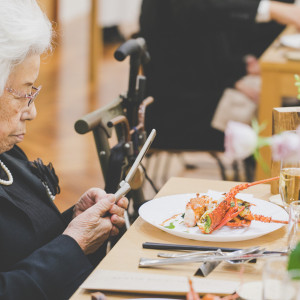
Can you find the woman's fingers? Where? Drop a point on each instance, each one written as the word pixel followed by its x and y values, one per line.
pixel 119 208
pixel 114 231
pixel 117 221
pixel 123 202
pixel 90 229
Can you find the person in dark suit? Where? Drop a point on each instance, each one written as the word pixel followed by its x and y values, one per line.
pixel 43 254
pixel 198 49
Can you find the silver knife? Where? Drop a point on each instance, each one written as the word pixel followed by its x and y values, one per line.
pixel 145 262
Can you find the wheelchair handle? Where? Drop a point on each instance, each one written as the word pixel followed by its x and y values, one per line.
pixel 132 47
pixel 142 111
pixel 121 120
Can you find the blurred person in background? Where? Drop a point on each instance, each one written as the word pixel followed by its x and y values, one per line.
pixel 198 48
pixel 43 254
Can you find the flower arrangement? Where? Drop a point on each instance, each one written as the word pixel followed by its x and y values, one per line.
pixel 242 140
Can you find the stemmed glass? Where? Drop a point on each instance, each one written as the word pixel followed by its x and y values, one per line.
pixel 289 182
pixel 289 186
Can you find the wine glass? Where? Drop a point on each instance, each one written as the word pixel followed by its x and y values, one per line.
pixel 289 181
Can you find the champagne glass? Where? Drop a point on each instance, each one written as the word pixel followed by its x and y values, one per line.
pixel 289 182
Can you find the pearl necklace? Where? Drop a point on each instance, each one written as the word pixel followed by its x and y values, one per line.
pixel 10 181
pixel 10 177
pixel 50 195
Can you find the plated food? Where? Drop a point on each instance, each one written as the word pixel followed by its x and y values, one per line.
pixel 210 214
pixel 170 213
pixel 206 213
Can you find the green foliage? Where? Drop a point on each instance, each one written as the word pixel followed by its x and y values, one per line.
pixel 261 142
pixel 294 260
pixel 261 161
pixel 258 128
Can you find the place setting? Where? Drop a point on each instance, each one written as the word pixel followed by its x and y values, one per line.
pixel 169 215
pixel 160 261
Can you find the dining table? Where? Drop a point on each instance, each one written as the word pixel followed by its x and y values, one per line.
pixel 124 257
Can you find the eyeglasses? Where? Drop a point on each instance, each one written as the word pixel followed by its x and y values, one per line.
pixel 34 92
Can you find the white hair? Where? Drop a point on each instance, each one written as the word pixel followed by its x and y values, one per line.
pixel 24 30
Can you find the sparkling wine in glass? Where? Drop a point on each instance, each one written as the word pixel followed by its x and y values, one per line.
pixel 289 182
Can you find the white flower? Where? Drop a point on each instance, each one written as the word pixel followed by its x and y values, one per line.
pixel 240 140
pixel 286 145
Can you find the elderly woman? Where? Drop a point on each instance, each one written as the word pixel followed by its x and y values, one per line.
pixel 43 254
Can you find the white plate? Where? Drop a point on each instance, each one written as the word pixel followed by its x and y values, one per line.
pixel 291 40
pixel 158 210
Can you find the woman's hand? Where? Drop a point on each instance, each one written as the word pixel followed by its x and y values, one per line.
pixel 88 199
pixel 96 217
pixel 91 228
pixel 94 195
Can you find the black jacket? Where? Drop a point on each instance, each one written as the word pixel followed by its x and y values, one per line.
pixel 36 260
